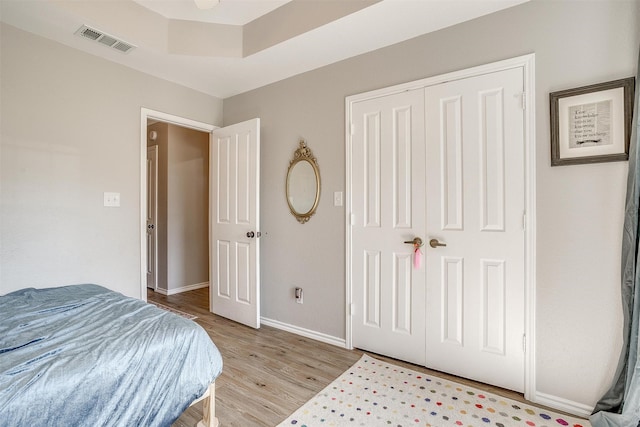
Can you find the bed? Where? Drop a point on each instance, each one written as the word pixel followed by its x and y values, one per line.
pixel 84 355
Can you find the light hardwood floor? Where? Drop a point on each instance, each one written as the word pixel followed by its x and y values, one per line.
pixel 269 373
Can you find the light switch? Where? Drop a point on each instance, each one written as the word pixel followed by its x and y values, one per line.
pixel 337 198
pixel 112 199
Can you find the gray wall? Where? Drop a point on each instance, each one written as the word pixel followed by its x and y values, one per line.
pixel 579 208
pixel 70 130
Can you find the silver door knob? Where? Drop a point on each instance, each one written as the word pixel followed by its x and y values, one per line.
pixel 434 243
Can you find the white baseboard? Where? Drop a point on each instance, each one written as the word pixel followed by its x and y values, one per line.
pixel 318 336
pixel 182 289
pixel 561 404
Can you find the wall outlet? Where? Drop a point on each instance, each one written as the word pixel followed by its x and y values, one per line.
pixel 298 295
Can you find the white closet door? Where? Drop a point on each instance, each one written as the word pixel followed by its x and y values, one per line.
pixel 475 205
pixel 388 207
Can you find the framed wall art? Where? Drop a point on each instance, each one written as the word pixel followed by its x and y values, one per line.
pixel 592 124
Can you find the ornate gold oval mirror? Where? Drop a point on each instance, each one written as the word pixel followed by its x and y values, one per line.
pixel 303 184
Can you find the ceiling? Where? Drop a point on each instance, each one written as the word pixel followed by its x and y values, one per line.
pixel 234 12
pixel 239 45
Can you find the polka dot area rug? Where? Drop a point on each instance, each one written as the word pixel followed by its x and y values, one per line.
pixel 376 393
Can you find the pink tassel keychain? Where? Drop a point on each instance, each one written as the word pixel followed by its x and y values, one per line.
pixel 417 258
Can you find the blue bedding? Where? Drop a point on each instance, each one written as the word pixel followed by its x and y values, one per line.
pixel 86 356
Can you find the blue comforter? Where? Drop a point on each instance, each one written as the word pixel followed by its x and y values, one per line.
pixel 86 356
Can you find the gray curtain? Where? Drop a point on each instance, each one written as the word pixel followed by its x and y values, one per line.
pixel 620 406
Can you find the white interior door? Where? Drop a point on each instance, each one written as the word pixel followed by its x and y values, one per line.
pixel 388 207
pixel 152 217
pixel 475 205
pixel 235 222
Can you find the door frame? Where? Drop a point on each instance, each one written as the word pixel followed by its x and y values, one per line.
pixel 145 115
pixel 527 63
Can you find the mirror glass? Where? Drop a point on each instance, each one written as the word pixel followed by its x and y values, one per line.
pixel 303 184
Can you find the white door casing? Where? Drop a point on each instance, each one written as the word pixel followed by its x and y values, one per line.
pixel 388 171
pixel 235 222
pixel 496 269
pixel 147 114
pixel 152 217
pixel 475 205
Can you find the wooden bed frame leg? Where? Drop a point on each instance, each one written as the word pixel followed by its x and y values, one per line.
pixel 209 409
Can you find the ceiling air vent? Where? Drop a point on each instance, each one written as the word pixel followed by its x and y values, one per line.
pixel 105 39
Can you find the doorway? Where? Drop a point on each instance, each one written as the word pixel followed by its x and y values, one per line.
pixel 178 209
pixel 163 119
pixel 449 161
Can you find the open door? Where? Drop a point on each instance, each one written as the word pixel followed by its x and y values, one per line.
pixel 235 222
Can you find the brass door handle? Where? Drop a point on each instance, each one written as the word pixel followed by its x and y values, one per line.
pixel 417 242
pixel 434 243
